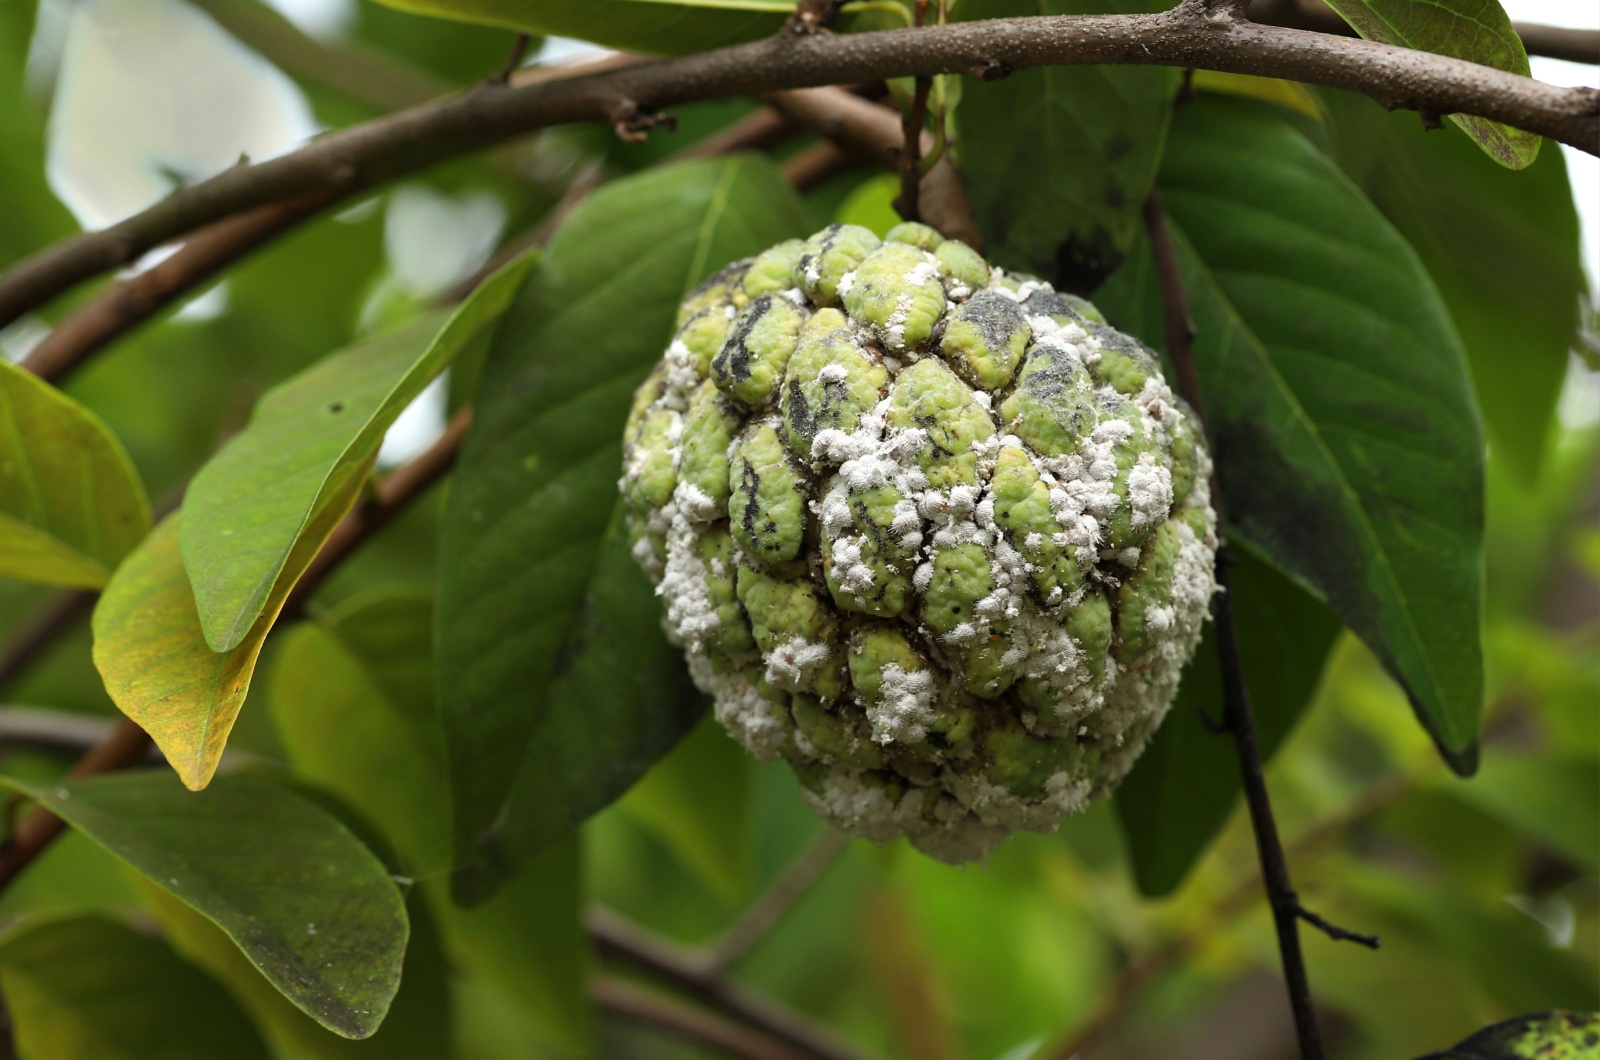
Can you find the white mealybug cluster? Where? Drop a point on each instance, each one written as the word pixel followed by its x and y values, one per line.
pixel 938 536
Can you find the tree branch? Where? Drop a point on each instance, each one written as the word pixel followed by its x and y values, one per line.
pixel 622 940
pixel 769 910
pixel 50 624
pixel 1203 34
pixel 645 1007
pixel 124 306
pixel 1552 42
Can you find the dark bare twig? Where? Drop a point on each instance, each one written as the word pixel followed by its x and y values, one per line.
pixel 769 910
pixel 1238 719
pixel 519 51
pixel 692 1025
pixel 1334 931
pixel 1205 34
pixel 908 205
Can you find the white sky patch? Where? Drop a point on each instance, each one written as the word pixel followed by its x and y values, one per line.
pixel 152 92
pixel 418 427
pixel 208 306
pixel 434 240
pixel 325 20
pixel 1583 168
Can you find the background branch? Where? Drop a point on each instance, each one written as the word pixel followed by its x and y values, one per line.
pixel 694 1026
pixel 1203 34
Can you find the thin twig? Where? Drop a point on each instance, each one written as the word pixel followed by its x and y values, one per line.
pixel 769 910
pixel 623 940
pixel 1205 34
pixel 692 1025
pixel 519 51
pixel 124 306
pixel 1238 718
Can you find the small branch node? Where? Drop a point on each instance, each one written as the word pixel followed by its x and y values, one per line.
pixel 813 16
pixel 633 122
pixel 989 69
pixel 1334 931
pixel 1430 118
pixel 1212 724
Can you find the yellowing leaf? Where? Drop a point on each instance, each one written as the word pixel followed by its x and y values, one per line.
pixel 153 656
pixel 71 504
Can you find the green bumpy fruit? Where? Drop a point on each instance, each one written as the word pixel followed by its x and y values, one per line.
pixel 938 536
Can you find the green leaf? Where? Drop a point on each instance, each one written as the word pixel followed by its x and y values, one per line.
pixel 352 697
pixel 307 449
pixel 1502 247
pixel 1346 440
pixel 1554 800
pixel 1186 782
pixel 71 504
pixel 697 801
pixel 153 656
pixel 556 686
pixel 309 905
pixel 93 989
pixel 654 26
pixel 419 1023
pixel 1558 1035
pixel 1059 159
pixel 1476 30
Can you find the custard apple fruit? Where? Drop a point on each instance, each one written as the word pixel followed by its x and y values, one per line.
pixel 936 535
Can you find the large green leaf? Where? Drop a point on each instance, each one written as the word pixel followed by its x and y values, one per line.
pixel 556 687
pixel 307 448
pixel 1059 159
pixel 352 696
pixel 418 1026
pixel 71 504
pixel 1476 30
pixel 1502 247
pixel 1346 440
pixel 653 26
pixel 153 657
pixel 93 989
pixel 309 905
pixel 1187 781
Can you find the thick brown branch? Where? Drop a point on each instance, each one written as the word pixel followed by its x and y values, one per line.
pixel 124 306
pixel 1204 34
pixel 1552 42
